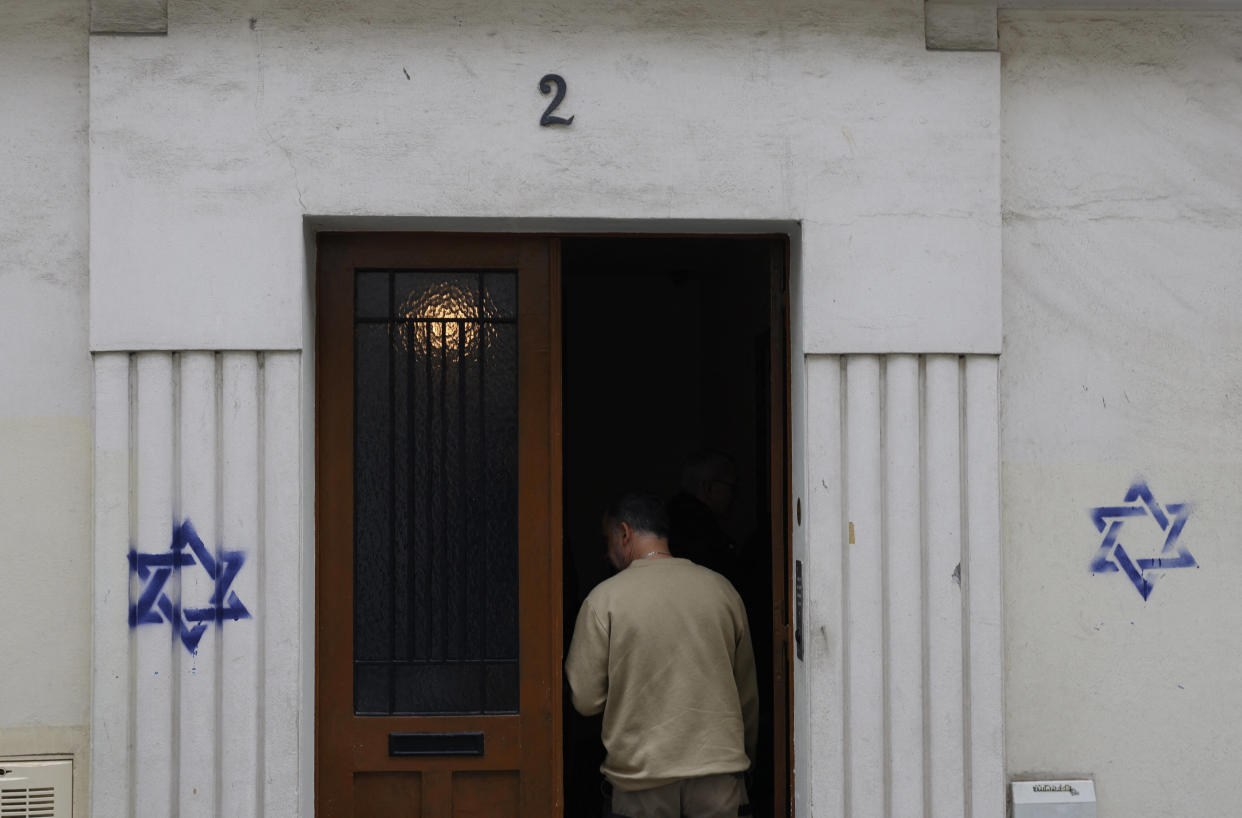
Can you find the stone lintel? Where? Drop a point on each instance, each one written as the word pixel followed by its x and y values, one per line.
pixel 960 25
pixel 129 16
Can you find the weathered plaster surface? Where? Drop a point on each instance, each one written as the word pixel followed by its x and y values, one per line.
pixel 129 16
pixel 209 146
pixel 44 587
pixel 961 25
pixel 45 590
pixel 1122 195
pixel 43 222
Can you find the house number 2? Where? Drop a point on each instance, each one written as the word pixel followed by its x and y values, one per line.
pixel 545 88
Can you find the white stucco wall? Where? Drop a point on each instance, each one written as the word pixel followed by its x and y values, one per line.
pixel 210 144
pixel 1122 194
pixel 45 441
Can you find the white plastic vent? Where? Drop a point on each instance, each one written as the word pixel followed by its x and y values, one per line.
pixel 36 789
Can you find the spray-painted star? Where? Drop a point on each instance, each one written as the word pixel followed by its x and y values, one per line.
pixel 155 570
pixel 1112 556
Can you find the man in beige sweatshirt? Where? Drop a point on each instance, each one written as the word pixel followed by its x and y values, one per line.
pixel 663 649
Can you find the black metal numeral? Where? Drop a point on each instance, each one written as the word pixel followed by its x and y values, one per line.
pixel 545 88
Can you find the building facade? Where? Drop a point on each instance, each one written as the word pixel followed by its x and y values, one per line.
pixel 1001 516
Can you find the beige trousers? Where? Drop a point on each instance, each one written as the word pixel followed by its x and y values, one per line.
pixel 711 796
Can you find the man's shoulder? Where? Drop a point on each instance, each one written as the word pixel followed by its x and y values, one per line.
pixel 698 572
pixel 710 576
pixel 601 588
pixel 682 573
pixel 722 585
pixel 607 588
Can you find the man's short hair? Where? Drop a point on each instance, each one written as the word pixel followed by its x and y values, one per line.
pixel 641 511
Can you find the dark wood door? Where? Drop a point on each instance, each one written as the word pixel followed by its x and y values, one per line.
pixel 438 642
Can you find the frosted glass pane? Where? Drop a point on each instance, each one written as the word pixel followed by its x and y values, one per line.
pixel 435 477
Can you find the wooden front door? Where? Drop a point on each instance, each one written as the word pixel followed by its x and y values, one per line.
pixel 438 616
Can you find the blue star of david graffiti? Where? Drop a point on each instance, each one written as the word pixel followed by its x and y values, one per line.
pixel 1112 556
pixel 154 607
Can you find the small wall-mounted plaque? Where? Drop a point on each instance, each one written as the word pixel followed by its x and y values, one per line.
pixel 1054 799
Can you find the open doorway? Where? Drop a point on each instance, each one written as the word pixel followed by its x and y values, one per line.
pixel 442 488
pixel 673 347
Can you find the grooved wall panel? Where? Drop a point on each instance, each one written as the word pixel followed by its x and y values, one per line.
pixel 903 568
pixel 824 586
pixel 942 547
pixel 903 582
pixel 196 705
pixel 111 784
pixel 197 584
pixel 864 577
pixel 986 738
pixel 199 473
pixel 239 641
pixel 154 654
pixel 281 624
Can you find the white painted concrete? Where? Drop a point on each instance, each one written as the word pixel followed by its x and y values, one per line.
pixel 1121 200
pixel 823 738
pixel 901 636
pixel 111 719
pixel 1123 195
pixel 129 16
pixel 981 575
pixel 241 423
pixel 942 566
pixel 210 145
pixel 863 575
pixel 961 25
pixel 903 567
pixel 198 480
pixel 154 648
pixel 205 725
pixel 45 405
pixel 284 555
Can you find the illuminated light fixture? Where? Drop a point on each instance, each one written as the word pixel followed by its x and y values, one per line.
pixel 442 317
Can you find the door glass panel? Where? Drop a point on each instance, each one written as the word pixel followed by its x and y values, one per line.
pixel 435 493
